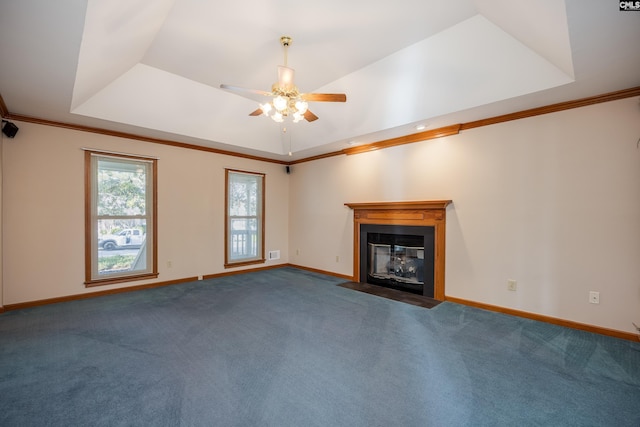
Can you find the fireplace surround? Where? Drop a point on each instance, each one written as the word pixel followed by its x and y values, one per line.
pixel 430 215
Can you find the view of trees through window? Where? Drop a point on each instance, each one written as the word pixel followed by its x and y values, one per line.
pixel 120 200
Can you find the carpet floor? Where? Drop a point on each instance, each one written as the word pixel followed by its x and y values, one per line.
pixel 287 347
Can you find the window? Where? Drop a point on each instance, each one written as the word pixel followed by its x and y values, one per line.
pixel 120 218
pixel 244 218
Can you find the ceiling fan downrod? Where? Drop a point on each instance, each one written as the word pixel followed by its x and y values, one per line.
pixel 285 41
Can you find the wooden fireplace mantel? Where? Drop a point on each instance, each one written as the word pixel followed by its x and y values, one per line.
pixel 429 213
pixel 423 205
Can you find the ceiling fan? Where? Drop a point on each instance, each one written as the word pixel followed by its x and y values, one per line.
pixel 286 100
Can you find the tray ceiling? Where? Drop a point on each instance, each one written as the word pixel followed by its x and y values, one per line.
pixel 154 68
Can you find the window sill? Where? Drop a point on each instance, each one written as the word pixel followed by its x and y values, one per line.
pixel 243 263
pixel 113 280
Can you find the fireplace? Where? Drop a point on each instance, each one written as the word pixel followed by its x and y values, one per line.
pixel 401 245
pixel 398 257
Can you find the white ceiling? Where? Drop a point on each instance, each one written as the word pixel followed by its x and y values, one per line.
pixel 154 67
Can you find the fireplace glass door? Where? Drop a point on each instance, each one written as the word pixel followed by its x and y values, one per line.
pixel 396 261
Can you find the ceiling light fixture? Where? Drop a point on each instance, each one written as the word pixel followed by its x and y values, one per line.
pixel 421 127
pixel 286 100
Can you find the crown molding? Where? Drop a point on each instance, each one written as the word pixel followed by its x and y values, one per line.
pixel 554 108
pixel 81 128
pixel 378 145
pixel 451 130
pixel 406 139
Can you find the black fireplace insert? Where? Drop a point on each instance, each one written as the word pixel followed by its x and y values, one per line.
pixel 398 257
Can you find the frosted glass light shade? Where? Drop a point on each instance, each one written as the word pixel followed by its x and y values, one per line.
pixel 280 102
pixel 302 106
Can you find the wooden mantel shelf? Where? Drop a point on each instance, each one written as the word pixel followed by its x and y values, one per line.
pixel 430 213
pixel 425 204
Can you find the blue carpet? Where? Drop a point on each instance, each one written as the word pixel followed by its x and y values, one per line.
pixel 287 347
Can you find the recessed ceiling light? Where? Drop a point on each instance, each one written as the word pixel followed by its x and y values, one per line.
pixel 421 127
pixel 351 143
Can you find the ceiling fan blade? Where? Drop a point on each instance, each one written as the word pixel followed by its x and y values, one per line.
pixel 253 94
pixel 285 77
pixel 257 112
pixel 243 89
pixel 324 97
pixel 309 116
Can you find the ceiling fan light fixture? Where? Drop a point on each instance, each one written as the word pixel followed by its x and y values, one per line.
pixel 301 106
pixel 280 103
pixel 286 101
pixel 277 117
pixel 297 116
pixel 266 108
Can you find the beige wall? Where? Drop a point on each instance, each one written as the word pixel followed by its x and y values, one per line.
pixel 551 201
pixel 43 196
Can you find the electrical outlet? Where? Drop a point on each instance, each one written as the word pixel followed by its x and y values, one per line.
pixel 297 251
pixel 169 264
pixel 337 258
pixel 512 285
pixel 594 297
